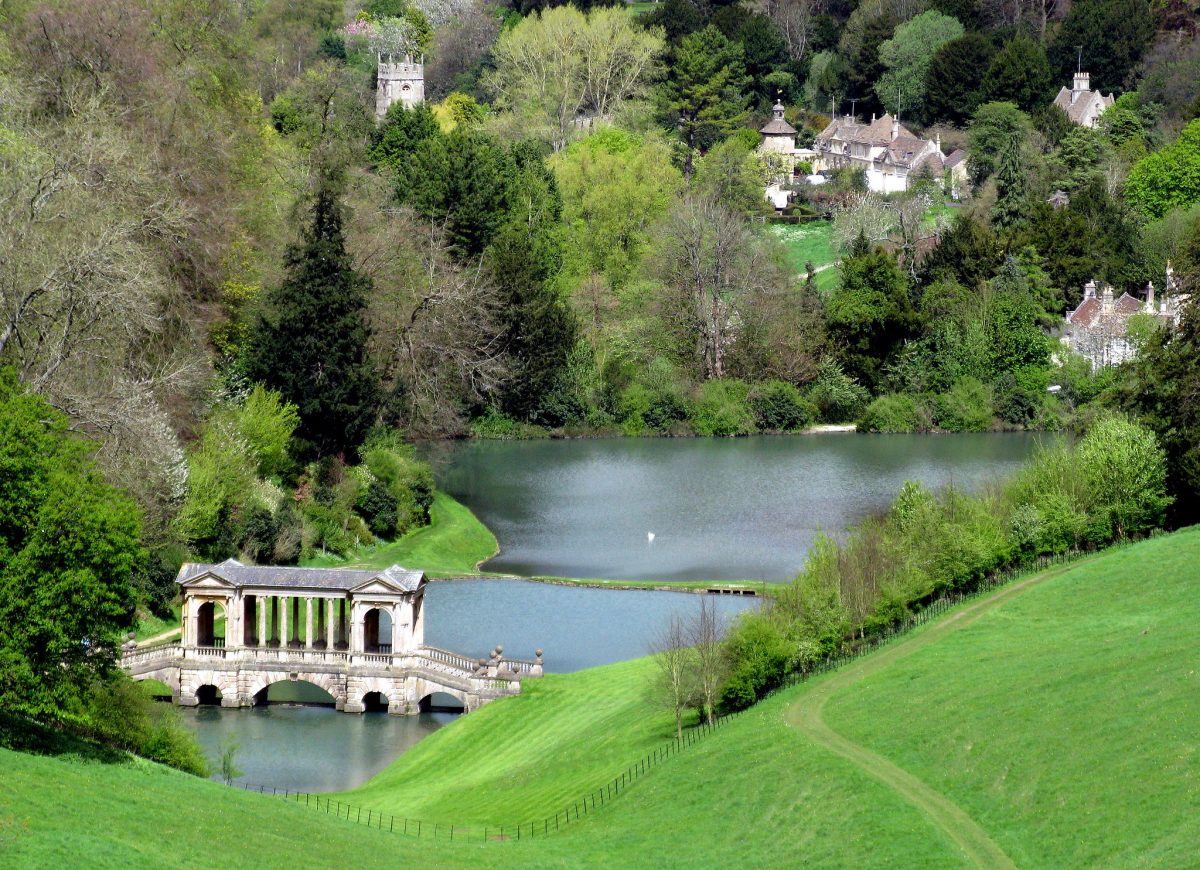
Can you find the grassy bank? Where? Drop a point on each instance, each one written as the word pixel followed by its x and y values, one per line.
pixel 454 542
pixel 810 242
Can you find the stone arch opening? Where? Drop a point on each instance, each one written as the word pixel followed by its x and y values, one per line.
pixel 441 702
pixel 210 627
pixel 290 691
pixel 208 695
pixel 377 631
pixel 375 702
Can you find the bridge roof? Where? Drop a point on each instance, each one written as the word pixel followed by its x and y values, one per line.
pixel 343 579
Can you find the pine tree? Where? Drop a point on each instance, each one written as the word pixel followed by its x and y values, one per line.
pixel 1019 74
pixel 311 342
pixel 952 82
pixel 703 95
pixel 1012 184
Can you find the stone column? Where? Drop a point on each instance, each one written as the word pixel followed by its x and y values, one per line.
pixel 260 605
pixel 356 631
pixel 185 633
pixel 233 620
pixel 284 603
pixel 308 623
pixel 395 639
pixel 330 625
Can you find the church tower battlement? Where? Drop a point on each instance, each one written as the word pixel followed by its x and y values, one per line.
pixel 400 80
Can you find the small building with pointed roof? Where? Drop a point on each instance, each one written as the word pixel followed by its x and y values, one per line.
pixel 1083 105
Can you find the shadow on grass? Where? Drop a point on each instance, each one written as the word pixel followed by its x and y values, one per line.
pixel 25 735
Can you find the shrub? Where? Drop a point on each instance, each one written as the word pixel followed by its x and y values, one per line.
pixel 967 407
pixel 1124 475
pixel 758 656
pixel 172 744
pixel 720 408
pixel 779 407
pixel 839 397
pixel 377 506
pixel 894 413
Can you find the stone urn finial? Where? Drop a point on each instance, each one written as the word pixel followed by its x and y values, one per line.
pixel 538 653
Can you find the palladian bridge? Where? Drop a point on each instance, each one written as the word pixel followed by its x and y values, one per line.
pixel 357 634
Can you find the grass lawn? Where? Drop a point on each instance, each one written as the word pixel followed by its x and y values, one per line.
pixel 640 7
pixel 454 542
pixel 1054 718
pixel 810 242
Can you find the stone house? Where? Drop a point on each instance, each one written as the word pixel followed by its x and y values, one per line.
pixel 1098 328
pixel 889 153
pixel 783 159
pixel 1083 105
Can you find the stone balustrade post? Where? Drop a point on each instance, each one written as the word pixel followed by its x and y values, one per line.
pixel 284 602
pixel 330 626
pixel 308 623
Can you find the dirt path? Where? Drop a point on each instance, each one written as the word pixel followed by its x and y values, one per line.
pixel 805 715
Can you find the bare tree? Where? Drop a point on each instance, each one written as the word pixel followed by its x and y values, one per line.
pixel 673 685
pixel 712 264
pixel 705 633
pixel 795 19
pixel 435 319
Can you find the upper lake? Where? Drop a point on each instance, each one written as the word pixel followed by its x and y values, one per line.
pixel 719 508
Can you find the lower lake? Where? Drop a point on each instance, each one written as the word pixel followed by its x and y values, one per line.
pixel 312 748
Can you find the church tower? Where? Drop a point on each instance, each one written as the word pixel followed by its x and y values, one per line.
pixel 400 80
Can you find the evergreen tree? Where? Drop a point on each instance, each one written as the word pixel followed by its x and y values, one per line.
pixel 1019 74
pixel 1012 182
pixel 993 126
pixel 396 140
pixel 969 254
pixel 1114 35
pixel 311 342
pixel 955 74
pixel 870 313
pixel 465 181
pixel 524 261
pixel 867 66
pixel 702 98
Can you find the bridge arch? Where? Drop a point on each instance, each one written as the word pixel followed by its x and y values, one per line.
pixel 439 696
pixel 256 690
pixel 169 677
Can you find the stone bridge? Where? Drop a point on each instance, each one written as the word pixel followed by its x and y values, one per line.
pixel 360 640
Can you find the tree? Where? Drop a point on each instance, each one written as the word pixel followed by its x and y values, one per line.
pixel 68 548
pixel 560 64
pixel 1162 390
pixel 464 181
pixel 796 21
pixel 712 265
pixel 1012 181
pixel 673 685
pixel 1168 178
pixel 702 98
pixel 1125 479
pixel 994 128
pixel 969 254
pixel 1019 74
pixel 1114 35
pixel 311 342
pixel 396 140
pixel 870 313
pixel 953 80
pixel 705 635
pixel 906 58
pixel 867 67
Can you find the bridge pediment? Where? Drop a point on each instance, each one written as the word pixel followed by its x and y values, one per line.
pixel 207 580
pixel 379 586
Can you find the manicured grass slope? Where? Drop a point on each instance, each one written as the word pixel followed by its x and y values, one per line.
pixel 454 542
pixel 810 242
pixel 1059 716
pixel 1064 722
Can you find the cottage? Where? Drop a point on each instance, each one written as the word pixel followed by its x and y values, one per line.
pixel 1098 328
pixel 889 153
pixel 1083 105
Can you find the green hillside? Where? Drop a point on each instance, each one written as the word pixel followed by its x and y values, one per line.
pixel 1048 724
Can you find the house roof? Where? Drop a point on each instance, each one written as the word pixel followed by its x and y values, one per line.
pixel 878 132
pixel 1090 310
pixel 236 574
pixel 778 127
pixel 956 157
pixel 1077 103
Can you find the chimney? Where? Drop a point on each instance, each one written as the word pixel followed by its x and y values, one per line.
pixel 1149 308
pixel 1106 300
pixel 895 128
pixel 937 141
pixel 1082 82
pixel 1089 290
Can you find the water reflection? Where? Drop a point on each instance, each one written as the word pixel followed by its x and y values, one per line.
pixel 308 748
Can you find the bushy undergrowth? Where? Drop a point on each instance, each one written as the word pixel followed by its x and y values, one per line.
pixel 1108 487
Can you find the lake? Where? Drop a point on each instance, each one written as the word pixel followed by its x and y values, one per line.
pixel 719 508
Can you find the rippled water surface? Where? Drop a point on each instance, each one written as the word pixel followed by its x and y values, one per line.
pixel 719 508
